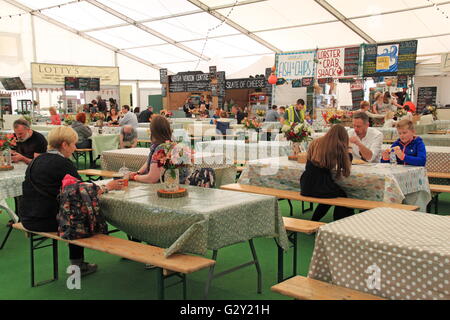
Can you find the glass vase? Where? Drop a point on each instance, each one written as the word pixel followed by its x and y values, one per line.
pixel 5 158
pixel 170 178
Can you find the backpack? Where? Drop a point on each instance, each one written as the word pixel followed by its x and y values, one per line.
pixel 204 177
pixel 79 213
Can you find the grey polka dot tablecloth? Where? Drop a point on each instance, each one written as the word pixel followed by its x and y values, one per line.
pixel 391 253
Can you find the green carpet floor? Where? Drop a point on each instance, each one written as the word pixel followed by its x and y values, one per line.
pixel 123 279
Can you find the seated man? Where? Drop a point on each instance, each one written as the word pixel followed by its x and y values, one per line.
pixel 30 143
pixel 128 137
pixel 365 142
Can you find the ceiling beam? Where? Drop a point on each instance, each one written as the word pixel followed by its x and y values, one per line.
pixel 345 20
pixel 233 24
pixel 175 15
pixel 146 29
pixel 81 34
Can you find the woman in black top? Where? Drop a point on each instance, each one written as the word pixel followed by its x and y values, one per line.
pixel 43 180
pixel 326 154
pixel 113 117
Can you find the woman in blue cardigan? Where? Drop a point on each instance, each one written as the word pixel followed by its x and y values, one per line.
pixel 409 149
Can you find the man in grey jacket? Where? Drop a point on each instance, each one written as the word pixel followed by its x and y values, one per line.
pixel 129 118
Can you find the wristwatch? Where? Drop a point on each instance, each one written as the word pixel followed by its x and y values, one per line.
pixel 105 189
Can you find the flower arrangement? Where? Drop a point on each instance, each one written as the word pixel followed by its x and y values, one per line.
pixel 97 116
pixel 260 112
pixel 400 113
pixel 431 109
pixel 7 141
pixel 68 119
pixel 172 155
pixel 297 132
pixel 251 124
pixel 333 116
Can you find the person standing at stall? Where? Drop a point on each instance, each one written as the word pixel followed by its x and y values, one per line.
pixel 295 113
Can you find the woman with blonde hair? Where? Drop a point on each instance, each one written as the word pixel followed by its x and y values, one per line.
pixel 327 154
pixel 43 179
pixel 54 117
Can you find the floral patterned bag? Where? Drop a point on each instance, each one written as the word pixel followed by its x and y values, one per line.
pixel 79 213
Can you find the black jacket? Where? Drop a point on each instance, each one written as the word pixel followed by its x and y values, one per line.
pixel 38 208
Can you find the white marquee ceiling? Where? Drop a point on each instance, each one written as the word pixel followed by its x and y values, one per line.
pixel 176 32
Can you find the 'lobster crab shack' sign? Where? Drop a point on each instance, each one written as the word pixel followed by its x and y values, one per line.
pixel 335 62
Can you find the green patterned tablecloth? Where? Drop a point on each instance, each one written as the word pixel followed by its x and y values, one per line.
pixel 374 181
pixel 391 253
pixel 205 219
pixel 104 142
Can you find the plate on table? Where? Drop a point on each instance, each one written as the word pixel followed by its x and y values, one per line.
pixel 357 161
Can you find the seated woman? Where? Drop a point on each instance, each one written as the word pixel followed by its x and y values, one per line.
pixel 43 178
pixel 326 154
pixel 54 117
pixel 160 133
pixel 83 131
pixel 204 113
pixel 113 117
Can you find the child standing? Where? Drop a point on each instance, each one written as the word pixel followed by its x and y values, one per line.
pixel 409 149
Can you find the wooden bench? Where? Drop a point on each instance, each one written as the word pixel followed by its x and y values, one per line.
pixel 100 173
pixel 294 226
pixel 295 195
pixel 437 189
pixel 302 288
pixel 179 263
pixel 82 153
pixel 442 175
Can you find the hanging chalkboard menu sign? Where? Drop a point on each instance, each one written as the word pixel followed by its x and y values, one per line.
pixel 81 84
pixel 390 59
pixel 307 82
pixel 189 81
pixel 246 83
pixel 402 82
pixel 163 78
pixel 357 97
pixel 12 83
pixel 71 83
pixel 212 72
pixel 324 80
pixel 426 96
pixel 351 61
pixel 296 83
pixel 221 83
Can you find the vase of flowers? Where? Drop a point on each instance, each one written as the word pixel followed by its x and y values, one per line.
pixel 333 117
pixel 299 134
pixel 172 156
pixel 6 142
pixel 400 113
pixel 251 124
pixel 260 113
pixel 432 110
